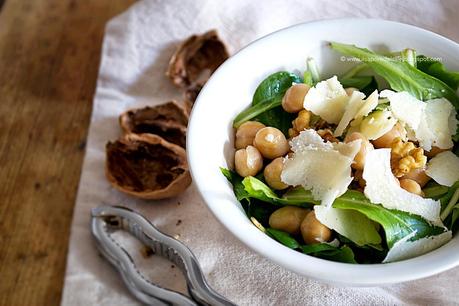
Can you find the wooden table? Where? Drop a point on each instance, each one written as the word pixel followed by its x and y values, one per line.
pixel 49 57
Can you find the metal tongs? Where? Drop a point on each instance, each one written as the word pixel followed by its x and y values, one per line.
pixel 108 219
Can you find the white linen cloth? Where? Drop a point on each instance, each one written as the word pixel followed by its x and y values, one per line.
pixel 136 50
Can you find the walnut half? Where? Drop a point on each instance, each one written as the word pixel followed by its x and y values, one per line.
pixel 196 56
pixel 168 120
pixel 147 166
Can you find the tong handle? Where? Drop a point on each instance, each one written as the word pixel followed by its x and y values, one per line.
pixel 106 218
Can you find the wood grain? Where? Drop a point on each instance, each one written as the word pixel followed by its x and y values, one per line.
pixel 49 57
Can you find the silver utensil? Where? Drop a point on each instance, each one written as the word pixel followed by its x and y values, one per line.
pixel 108 219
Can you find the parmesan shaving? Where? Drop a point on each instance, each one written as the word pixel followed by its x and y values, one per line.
pixel 383 188
pixel 369 105
pixel 322 167
pixel 405 107
pixel 432 123
pixel 438 125
pixel 444 168
pixel 354 105
pixel 404 249
pixel 327 99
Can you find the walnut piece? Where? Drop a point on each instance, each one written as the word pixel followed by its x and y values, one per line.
pixel 196 56
pixel 147 166
pixel 405 156
pixel 168 120
pixel 327 135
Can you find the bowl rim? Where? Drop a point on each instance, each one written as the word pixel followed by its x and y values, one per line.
pixel 362 274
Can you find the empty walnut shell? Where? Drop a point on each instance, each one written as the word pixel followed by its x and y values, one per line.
pixel 168 120
pixel 147 166
pixel 190 95
pixel 194 56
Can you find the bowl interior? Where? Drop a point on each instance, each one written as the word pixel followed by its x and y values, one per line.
pixel 230 89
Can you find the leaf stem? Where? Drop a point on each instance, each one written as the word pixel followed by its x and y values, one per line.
pixel 450 205
pixel 312 67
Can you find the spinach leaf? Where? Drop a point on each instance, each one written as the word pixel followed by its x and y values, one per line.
pixel 256 110
pixel 365 254
pixel 258 190
pixel 326 251
pixel 400 75
pixel 236 180
pixel 366 84
pixel 283 238
pixel 252 206
pixel 266 103
pixel 435 192
pixel 436 69
pixel 396 224
pixel 260 211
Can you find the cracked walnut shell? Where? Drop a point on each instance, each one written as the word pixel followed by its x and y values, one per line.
pixel 168 120
pixel 194 56
pixel 147 166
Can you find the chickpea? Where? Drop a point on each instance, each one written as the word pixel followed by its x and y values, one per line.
pixel 288 219
pixel 313 231
pixel 365 146
pixel 385 141
pixel 271 142
pixel 411 186
pixel 248 161
pixel 246 133
pixel 350 90
pixel 273 172
pixel 418 175
pixel 292 102
pixel 434 151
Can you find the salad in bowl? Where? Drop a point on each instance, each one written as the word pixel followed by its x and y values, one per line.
pixel 361 167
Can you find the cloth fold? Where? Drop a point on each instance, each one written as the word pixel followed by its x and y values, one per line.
pixel 136 50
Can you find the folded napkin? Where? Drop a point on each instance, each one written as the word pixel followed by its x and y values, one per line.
pixel 136 50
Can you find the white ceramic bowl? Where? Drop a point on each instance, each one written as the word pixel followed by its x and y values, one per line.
pixel 229 91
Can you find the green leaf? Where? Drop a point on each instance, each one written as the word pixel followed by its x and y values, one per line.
pixel 236 180
pixel 436 69
pixel 349 223
pixel 358 82
pixel 435 192
pixel 329 252
pixel 270 91
pixel 283 238
pixel 256 110
pixel 400 75
pixel 396 224
pixel 260 211
pixel 258 190
pixel 365 84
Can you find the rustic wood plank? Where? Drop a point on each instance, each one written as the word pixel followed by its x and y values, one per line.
pixel 49 56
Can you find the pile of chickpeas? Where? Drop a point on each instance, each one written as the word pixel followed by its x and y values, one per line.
pixel 257 144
